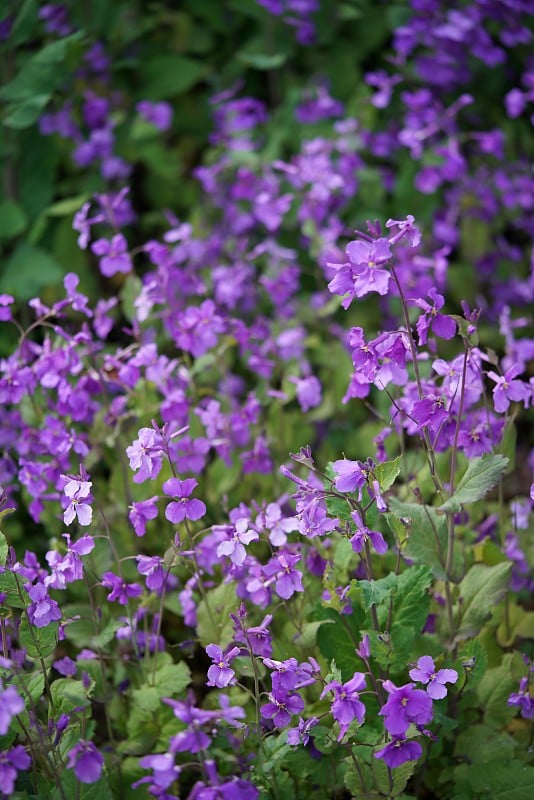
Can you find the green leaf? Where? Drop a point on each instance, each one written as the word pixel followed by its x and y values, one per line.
pixel 504 780
pixel 38 642
pixel 263 61
pixel 28 271
pixel 30 686
pixel 70 205
pixel 375 592
pixel 481 475
pixel 9 587
pixel 493 692
pixel 13 220
pixel 4 549
pixel 214 623
pixel 71 787
pixel 387 473
pixel 426 531
pixel 481 588
pixel 170 75
pixel 338 640
pixel 472 662
pixel 483 744
pixel 68 694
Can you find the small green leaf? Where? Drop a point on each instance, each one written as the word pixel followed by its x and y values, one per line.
pixel 387 472
pixel 68 694
pixel 263 61
pixel 480 477
pixel 4 549
pixel 214 623
pixel 169 75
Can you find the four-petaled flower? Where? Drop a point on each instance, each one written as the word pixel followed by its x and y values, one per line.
pixel 404 706
pixel 115 255
pixel 220 673
pixel 346 705
pixel 234 547
pixel 506 388
pixel 79 494
pixel 182 506
pixel 425 672
pixel 399 751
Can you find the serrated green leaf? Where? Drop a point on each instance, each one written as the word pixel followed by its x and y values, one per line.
pixel 68 694
pixel 387 473
pixel 4 549
pixel 30 686
pixel 482 588
pixel 375 592
pixel 481 475
pixel 426 532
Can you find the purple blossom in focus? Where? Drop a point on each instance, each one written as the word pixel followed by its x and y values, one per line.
pixel 426 673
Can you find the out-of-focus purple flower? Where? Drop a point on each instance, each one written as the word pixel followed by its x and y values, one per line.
pixel 11 704
pixel 159 114
pixel 152 568
pixel 507 389
pixel 399 751
pixel 11 762
pixel 86 761
pixel 165 773
pixel 301 734
pixel 182 507
pixel 523 699
pixel 425 672
pixel 5 312
pixel 114 255
pixel 309 393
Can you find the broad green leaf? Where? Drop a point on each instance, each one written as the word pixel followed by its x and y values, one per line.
pixel 471 663
pixel 483 744
pixel 30 686
pixel 214 623
pixel 411 600
pixel 71 787
pixel 482 588
pixel 68 694
pixel 28 271
pixel 338 640
pixel 9 587
pixel 480 477
pixel 503 780
pixel 171 679
pixel 426 532
pixel 375 592
pixel 13 220
pixel 168 75
pixel 38 642
pixel 493 692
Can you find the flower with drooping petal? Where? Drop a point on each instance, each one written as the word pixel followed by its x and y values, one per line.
pixel 86 761
pixel 182 506
pixel 425 672
pixel 507 389
pixel 404 706
pixel 79 494
pixel 399 751
pixel 346 705
pixel 364 534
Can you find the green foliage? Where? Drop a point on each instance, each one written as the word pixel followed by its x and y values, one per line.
pixel 481 475
pixel 481 588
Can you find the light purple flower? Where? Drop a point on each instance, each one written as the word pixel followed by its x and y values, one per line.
pixel 114 255
pixel 350 476
pixel 442 325
pixel 507 389
pixel 288 579
pixel 120 590
pixel 145 455
pixel 426 673
pixel 11 762
pixel 79 494
pixel 165 772
pixel 346 705
pixel 43 610
pixel 234 547
pixel 11 704
pixel 280 709
pixel 141 512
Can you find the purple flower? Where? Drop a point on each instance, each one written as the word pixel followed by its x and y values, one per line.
pixel 141 512
pixel 301 734
pixel 399 751
pixel 11 704
pixel 11 761
pixel 280 709
pixel 220 673
pixel 145 455
pixel 506 388
pixel 350 476
pixel 440 324
pixel 79 494
pixel 152 568
pixel 288 579
pixel 426 673
pixel 120 590
pixel 86 761
pixel 234 547
pixel 363 534
pixel 115 255
pixel 159 114
pixel 346 705
pixel 182 507
pixel 308 392
pixel 43 610
pixel 165 772
pixel 523 699
pixel 404 706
